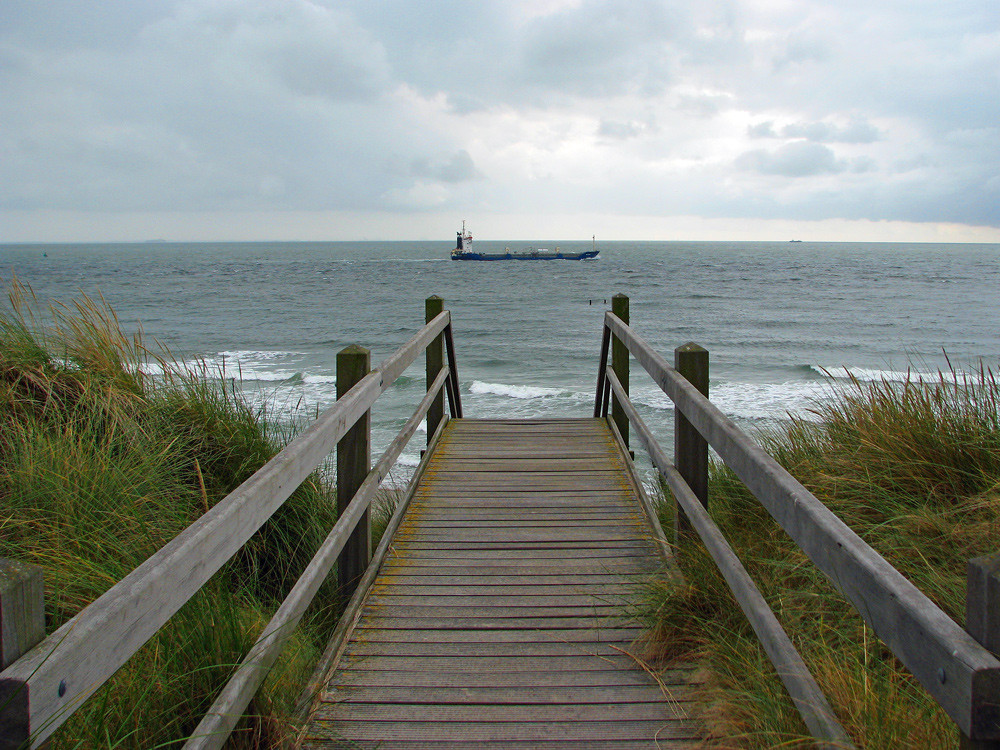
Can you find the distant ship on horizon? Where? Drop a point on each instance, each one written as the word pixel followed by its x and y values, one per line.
pixel 463 251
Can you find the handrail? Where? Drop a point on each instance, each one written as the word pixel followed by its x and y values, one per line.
pixel 809 699
pixel 229 705
pixel 44 687
pixel 335 648
pixel 959 673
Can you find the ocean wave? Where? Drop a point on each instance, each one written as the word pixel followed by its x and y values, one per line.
pixel 751 402
pixel 871 375
pixel 479 388
pixel 299 378
pixel 247 374
pixel 259 366
pixel 243 355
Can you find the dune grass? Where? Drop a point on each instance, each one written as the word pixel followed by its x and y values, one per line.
pixel 107 451
pixel 914 469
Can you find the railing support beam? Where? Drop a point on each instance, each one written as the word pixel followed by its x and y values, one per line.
pixel 619 363
pixel 690 448
pixel 353 464
pixel 434 306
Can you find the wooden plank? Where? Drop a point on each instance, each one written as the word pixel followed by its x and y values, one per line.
pixel 526 588
pixel 571 744
pixel 481 712
pixel 447 497
pixel 527 635
pixel 459 521
pixel 474 731
pixel 507 601
pixel 564 515
pixel 419 555
pixel 507 536
pixel 527 539
pixel 498 696
pixel 521 464
pixel 508 679
pixel 626 567
pixel 518 451
pixel 499 621
pixel 486 599
pixel 501 579
pixel 575 655
pixel 435 611
pixel 547 566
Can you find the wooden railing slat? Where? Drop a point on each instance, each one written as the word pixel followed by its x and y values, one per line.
pixel 213 730
pixel 809 699
pixel 945 659
pixel 328 661
pixel 55 677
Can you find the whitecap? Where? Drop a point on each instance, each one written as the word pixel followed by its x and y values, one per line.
pixel 478 387
pixel 751 402
pixel 871 375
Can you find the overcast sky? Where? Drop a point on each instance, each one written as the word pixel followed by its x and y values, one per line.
pixel 392 119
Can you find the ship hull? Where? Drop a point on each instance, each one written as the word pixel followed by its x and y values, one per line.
pixel 588 255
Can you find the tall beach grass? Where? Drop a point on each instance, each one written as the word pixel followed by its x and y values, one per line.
pixel 108 449
pixel 912 467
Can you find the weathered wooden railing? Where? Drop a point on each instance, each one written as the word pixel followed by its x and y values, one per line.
pixel 42 688
pixel 955 666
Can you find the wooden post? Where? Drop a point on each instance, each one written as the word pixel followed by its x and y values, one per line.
pixel 433 307
pixel 22 609
pixel 22 626
pixel 619 363
pixel 353 464
pixel 982 621
pixel 690 448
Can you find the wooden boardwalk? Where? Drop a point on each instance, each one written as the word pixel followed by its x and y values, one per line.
pixel 500 617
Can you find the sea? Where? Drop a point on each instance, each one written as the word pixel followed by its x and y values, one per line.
pixel 785 323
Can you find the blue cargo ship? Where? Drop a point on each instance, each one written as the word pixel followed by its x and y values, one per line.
pixel 463 251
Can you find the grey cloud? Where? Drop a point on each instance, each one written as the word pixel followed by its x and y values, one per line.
pixel 762 130
pixel 457 167
pixel 602 48
pixel 704 105
pixel 857 131
pixel 620 130
pixel 461 103
pixel 296 45
pixel 803 47
pixel 796 159
pixel 863 164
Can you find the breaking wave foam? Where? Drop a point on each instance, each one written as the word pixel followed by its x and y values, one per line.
pixel 869 375
pixel 480 388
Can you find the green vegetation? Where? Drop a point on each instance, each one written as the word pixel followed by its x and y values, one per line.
pixel 107 451
pixel 914 468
